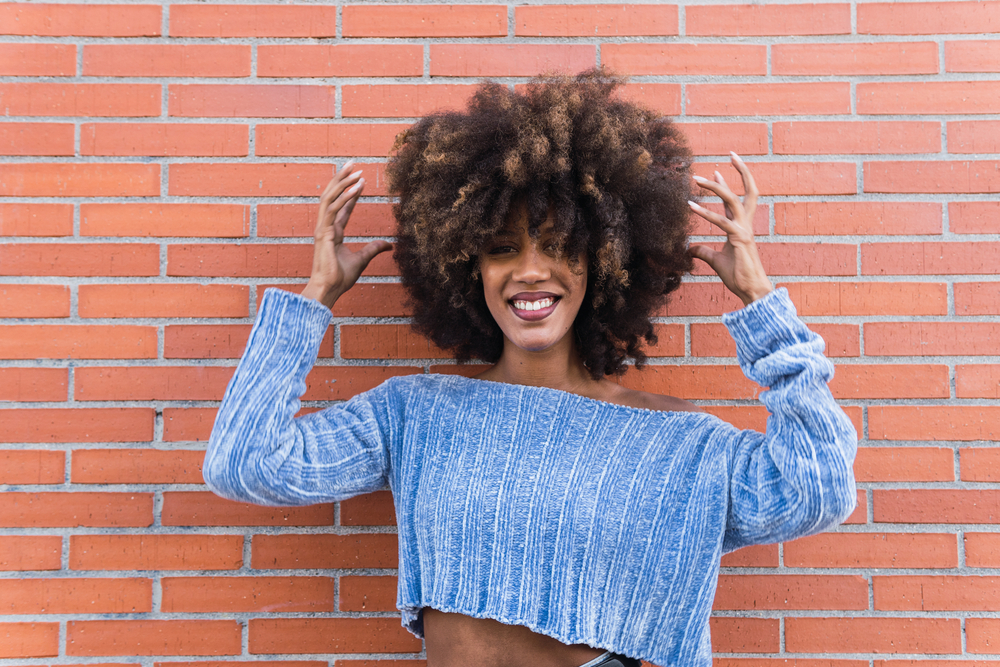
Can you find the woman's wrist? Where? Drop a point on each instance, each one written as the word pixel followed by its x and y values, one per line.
pixel 325 294
pixel 756 293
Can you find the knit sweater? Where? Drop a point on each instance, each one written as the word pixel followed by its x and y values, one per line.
pixel 583 520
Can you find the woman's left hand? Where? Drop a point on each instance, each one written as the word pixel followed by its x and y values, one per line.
pixel 737 263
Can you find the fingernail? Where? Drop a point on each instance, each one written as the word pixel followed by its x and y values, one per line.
pixel 691 203
pixel 718 174
pixel 700 178
pixel 733 153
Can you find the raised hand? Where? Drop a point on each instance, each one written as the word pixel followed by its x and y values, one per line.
pixel 737 263
pixel 336 268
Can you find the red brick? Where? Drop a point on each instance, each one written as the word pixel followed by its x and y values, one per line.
pixel 981 635
pixel 264 180
pixel 424 21
pixel 327 139
pixel 931 338
pixel 157 219
pixel 189 60
pixel 854 59
pixel 253 21
pixel 928 18
pixel 330 635
pixel 980 464
pixel 693 382
pixel 931 422
pixel 155 552
pixel 187 424
pixel 76 425
pixel 151 383
pixel 211 341
pixel 79 259
pixel 974 217
pixel 789 178
pixel 52 510
pixel 136 466
pixel 169 300
pixel 153 637
pixel 509 59
pixel 362 300
pixel 24 59
pixel 595 21
pixel 76 596
pixel 31 466
pixel 856 218
pixel 977 298
pixel 701 300
pixel 297 552
pixel 83 20
pixel 36 138
pixel 670 341
pixel 80 99
pixel 929 258
pixel 79 180
pixel 368 593
pixel 36 219
pixel 720 138
pixel 300 220
pixel 799 259
pixel 818 138
pixel 698 226
pixel 30 552
pixel 713 340
pixel 873 550
pixel 768 99
pixel 967 177
pixel 243 594
pixel 977 381
pixel 745 635
pixel 326 60
pixel 936 506
pixel 250 260
pixel 386 341
pixel 33 384
pixel 266 101
pixel 972 56
pixel 749 20
pixel 402 100
pixel 34 301
pixel 890 381
pixel 757 555
pixel 873 635
pixel 686 59
pixel 28 640
pixel 752 417
pixel 982 549
pixel 929 97
pixel 905 464
pixel 204 508
pixel 77 342
pixel 163 139
pixel 339 383
pixel 867 299
pixel 369 509
pixel 791 591
pixel 261 663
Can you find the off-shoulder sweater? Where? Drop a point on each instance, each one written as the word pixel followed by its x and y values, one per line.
pixel 583 520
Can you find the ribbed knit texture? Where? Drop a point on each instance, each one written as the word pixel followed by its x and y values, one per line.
pixel 590 522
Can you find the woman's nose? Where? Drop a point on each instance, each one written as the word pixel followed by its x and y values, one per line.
pixel 532 266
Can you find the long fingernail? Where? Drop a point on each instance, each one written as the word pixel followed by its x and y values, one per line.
pixel 700 178
pixel 733 153
pixel 692 204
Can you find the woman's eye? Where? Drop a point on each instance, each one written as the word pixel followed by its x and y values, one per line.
pixel 501 250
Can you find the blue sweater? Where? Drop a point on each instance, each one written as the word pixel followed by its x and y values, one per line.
pixel 583 520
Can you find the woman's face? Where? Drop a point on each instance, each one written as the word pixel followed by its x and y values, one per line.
pixel 531 289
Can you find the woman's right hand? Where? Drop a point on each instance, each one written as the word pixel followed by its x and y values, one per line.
pixel 336 268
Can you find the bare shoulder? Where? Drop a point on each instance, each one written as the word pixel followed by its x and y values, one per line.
pixel 648 401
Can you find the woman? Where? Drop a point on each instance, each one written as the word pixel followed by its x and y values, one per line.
pixel 546 514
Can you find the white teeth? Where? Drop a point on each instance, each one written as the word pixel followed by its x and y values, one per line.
pixel 534 305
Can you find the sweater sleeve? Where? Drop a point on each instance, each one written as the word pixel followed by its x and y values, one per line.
pixel 259 452
pixel 798 478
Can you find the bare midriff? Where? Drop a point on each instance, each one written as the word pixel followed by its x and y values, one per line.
pixel 456 640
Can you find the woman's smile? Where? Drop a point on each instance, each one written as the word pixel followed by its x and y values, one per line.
pixel 533 306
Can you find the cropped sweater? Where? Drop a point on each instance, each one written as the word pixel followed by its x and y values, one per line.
pixel 583 520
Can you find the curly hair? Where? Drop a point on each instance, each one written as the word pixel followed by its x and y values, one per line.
pixel 614 175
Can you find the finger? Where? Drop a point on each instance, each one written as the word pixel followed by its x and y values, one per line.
pixel 332 202
pixel 369 251
pixel 749 185
pixel 705 254
pixel 350 196
pixel 721 190
pixel 720 221
pixel 338 176
pixel 722 181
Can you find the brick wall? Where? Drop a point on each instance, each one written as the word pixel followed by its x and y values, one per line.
pixel 160 167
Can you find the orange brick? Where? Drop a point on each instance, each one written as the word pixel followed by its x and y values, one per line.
pixel 882 259
pixel 509 59
pixel 713 340
pixel 250 260
pixel 791 591
pixel 155 552
pixel 330 635
pixel 151 383
pixel 204 508
pixel 967 177
pixel 980 464
pixel 386 341
pixel 873 550
pixel 189 60
pixel 168 300
pixel 325 60
pixel 670 341
pixel 77 342
pixel 300 220
pixel 752 417
pixel 369 509
pixel 757 555
pixel 296 552
pixel 745 635
pixel 155 219
pixel 977 381
pixel 31 466
pixel 748 20
pixel 369 593
pixel 76 425
pixel 362 300
pixel 163 139
pixel 974 217
pixel 931 338
pixel 36 138
pixel 25 59
pixel 33 384
pixel 698 226
pixel 327 139
pixel 936 506
pixel 789 178
pixel 854 59
pixel 79 180
pixel 266 101
pixel 904 464
pixel 662 97
pixel 686 59
pixel 153 637
pixel 867 299
pixel 424 21
pixel 929 97
pixel 982 549
pixel 981 634
pixel 187 424
pixel 693 382
pixel 402 100
pixel 76 596
pixel 136 466
pixel 701 299
pixel 82 20
pixel 28 640
pixel 932 422
pixel 890 381
pixel 30 552
pixel 768 99
pixel 36 219
pixel 720 138
pixel 253 21
pixel 856 218
pixel 50 510
pixel 972 56
pixel 873 635
pixel 798 259
pixel 243 594
pixel 809 137
pixel 79 259
pixel 928 18
pixel 264 180
pixel 210 341
pixel 80 99
pixel 339 383
pixel 595 20
pixel 34 301
pixel 977 298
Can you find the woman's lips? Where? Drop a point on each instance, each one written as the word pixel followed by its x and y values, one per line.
pixel 534 315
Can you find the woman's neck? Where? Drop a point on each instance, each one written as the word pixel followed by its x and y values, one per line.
pixel 558 367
